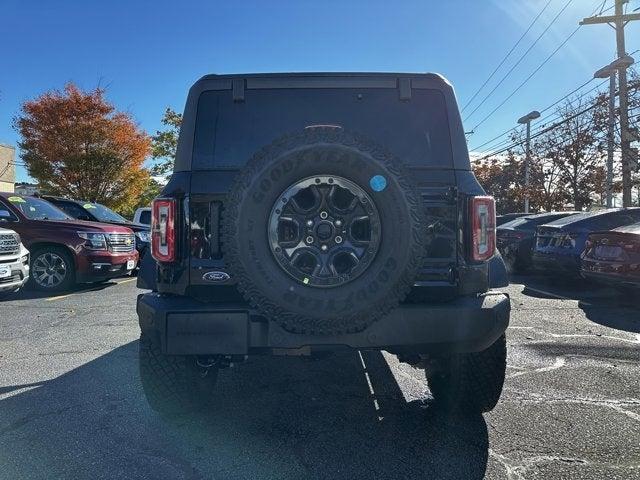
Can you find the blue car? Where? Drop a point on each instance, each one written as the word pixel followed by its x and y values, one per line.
pixel 560 243
pixel 515 239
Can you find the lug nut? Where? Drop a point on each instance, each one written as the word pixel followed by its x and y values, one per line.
pixel 323 215
pixel 309 239
pixel 338 239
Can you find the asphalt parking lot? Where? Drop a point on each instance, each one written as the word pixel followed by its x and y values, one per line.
pixel 71 404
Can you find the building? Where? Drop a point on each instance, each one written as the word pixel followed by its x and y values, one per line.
pixel 29 189
pixel 7 168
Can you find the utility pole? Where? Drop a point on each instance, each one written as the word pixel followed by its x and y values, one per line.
pixel 618 22
pixel 604 72
pixel 526 120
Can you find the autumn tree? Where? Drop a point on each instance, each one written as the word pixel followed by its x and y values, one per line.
pixel 164 143
pixel 76 144
pixel 500 178
pixel 575 146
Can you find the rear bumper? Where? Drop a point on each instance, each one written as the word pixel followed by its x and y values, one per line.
pixel 187 327
pixel 611 273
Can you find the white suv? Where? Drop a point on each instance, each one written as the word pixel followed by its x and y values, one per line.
pixel 14 262
pixel 142 215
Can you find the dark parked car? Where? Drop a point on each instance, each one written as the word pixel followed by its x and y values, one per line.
pixel 559 244
pixel 507 217
pixel 296 222
pixel 65 251
pixel 96 212
pixel 515 239
pixel 613 257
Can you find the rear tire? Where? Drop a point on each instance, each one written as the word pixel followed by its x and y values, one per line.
pixel 288 277
pixel 471 382
pixel 173 384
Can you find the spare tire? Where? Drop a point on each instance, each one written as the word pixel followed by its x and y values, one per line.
pixel 323 231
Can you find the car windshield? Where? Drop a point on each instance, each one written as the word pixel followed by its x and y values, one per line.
pixel 102 213
pixel 36 208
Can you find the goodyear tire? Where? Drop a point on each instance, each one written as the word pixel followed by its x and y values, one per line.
pixel 318 186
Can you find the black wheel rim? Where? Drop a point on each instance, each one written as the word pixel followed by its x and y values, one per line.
pixel 324 231
pixel 49 270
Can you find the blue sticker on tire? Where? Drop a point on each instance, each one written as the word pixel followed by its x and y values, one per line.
pixel 378 183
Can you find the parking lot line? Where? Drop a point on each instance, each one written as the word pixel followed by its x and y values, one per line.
pixel 554 295
pixel 127 280
pixel 543 292
pixel 59 297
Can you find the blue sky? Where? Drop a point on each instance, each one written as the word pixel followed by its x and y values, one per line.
pixel 147 54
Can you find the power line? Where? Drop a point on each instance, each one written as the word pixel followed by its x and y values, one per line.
pixel 546 109
pixel 506 56
pixel 522 57
pixel 551 127
pixel 543 131
pixel 527 79
pixel 540 121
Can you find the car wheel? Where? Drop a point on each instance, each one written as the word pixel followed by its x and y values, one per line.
pixel 52 269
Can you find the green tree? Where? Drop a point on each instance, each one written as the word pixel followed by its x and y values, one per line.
pixel 151 190
pixel 164 143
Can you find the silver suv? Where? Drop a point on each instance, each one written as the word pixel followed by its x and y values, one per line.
pixel 14 262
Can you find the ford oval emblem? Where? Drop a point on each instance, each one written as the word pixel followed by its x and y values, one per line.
pixel 216 277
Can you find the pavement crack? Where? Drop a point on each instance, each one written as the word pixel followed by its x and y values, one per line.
pixel 559 363
pixel 577 335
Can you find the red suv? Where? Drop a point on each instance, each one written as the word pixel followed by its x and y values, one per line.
pixel 65 251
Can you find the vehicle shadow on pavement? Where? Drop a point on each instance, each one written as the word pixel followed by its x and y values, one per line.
pixel 30 294
pixel 597 301
pixel 273 418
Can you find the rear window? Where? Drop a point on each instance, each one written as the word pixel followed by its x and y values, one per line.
pixel 577 218
pixel 228 134
pixel 145 217
pixel 535 220
pixel 601 220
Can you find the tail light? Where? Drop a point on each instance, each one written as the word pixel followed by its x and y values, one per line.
pixel 163 230
pixel 482 213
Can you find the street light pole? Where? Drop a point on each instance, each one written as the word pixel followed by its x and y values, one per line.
pixel 610 71
pixel 526 120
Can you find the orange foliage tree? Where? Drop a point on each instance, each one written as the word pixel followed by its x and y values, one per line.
pixel 76 144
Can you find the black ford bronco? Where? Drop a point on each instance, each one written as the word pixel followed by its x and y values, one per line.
pixel 312 212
